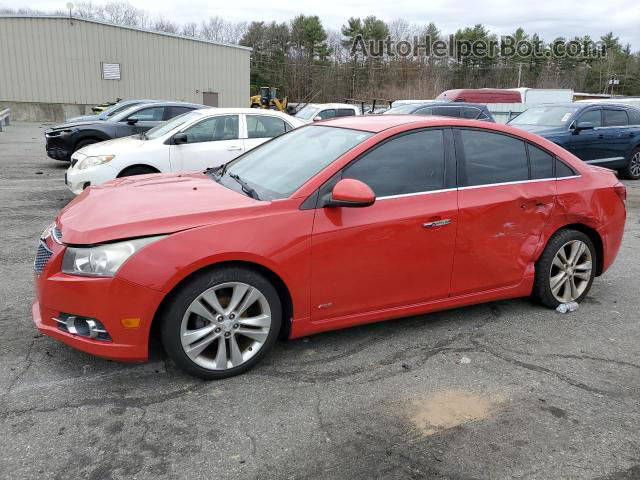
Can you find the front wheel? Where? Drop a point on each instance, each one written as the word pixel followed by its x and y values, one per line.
pixel 566 269
pixel 632 170
pixel 221 323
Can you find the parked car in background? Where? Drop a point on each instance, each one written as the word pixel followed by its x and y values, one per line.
pixel 62 140
pixel 604 134
pixel 197 140
pixel 345 222
pixel 534 96
pixel 471 111
pixel 111 111
pixel 313 112
pixel 481 95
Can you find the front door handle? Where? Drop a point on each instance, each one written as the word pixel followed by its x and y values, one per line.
pixel 234 148
pixel 437 223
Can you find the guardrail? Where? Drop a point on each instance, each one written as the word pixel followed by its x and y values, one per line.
pixel 4 117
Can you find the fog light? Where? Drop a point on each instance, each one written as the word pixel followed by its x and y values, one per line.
pixel 82 327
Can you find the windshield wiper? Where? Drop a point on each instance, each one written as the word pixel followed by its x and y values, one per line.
pixel 245 186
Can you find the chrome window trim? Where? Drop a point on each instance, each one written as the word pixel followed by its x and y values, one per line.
pixel 414 194
pixel 602 160
pixel 402 195
pixel 537 180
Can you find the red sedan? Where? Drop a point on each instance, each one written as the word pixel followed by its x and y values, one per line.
pixel 335 224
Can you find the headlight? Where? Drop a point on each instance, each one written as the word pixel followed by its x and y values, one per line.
pixel 93 161
pixel 102 260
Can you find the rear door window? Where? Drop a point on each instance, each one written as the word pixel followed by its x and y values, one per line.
pixel 329 113
pixel 345 112
pixel 492 158
pixel 171 112
pixel 615 118
pixel 405 164
pixel 259 126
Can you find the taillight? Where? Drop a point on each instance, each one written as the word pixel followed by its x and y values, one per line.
pixel 621 190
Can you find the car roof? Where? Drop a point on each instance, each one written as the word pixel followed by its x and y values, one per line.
pixel 480 106
pixel 378 123
pixel 171 104
pixel 332 105
pixel 247 110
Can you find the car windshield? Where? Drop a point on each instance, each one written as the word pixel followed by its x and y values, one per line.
pixel 548 116
pixel 279 167
pixel 409 108
pixel 165 127
pixel 307 113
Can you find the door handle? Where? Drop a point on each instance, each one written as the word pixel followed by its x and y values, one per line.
pixel 437 223
pixel 234 148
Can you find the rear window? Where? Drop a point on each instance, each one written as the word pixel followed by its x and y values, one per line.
pixel 563 170
pixel 541 163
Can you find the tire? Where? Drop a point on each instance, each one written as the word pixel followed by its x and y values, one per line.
pixel 552 271
pixel 245 334
pixel 632 170
pixel 137 170
pixel 84 143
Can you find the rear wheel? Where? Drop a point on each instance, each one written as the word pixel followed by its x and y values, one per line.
pixel 632 170
pixel 221 323
pixel 566 269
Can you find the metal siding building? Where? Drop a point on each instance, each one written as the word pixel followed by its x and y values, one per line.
pixel 59 60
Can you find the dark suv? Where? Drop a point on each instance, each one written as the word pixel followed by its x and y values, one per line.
pixel 603 134
pixel 62 140
pixel 470 111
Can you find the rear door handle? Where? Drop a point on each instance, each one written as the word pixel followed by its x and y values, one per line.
pixel 437 223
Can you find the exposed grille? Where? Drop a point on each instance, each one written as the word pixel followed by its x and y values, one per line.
pixel 57 234
pixel 43 255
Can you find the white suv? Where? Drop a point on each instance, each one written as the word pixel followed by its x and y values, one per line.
pixel 193 141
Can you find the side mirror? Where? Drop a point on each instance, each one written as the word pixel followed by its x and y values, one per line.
pixel 180 138
pixel 583 126
pixel 317 118
pixel 350 192
pixel 132 121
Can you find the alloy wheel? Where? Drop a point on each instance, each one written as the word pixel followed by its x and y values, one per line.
pixel 634 165
pixel 570 271
pixel 225 326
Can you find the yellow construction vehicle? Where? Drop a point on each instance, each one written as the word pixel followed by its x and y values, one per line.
pixel 268 98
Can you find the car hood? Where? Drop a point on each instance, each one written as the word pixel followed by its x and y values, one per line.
pixel 67 125
pixel 541 130
pixel 114 147
pixel 150 205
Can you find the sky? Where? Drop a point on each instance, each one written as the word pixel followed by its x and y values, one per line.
pixel 549 18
